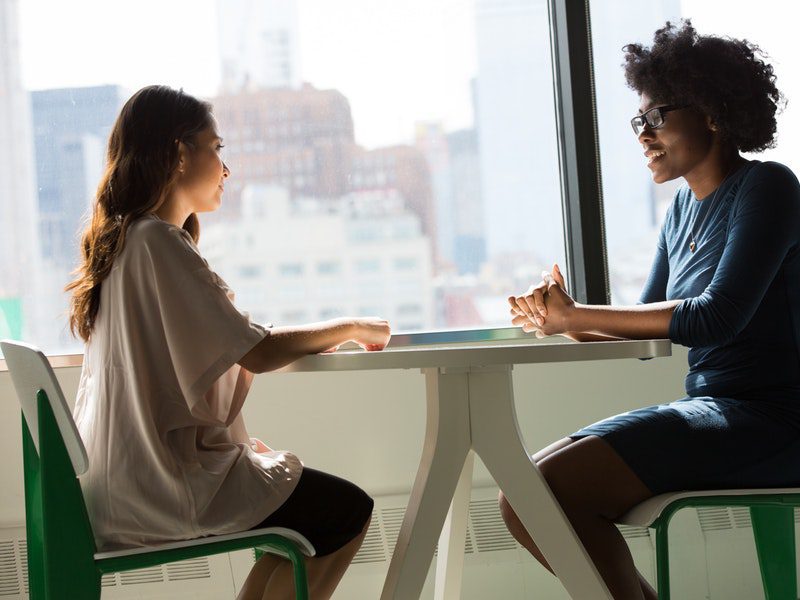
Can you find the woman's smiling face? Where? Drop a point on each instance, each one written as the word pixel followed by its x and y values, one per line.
pixel 679 145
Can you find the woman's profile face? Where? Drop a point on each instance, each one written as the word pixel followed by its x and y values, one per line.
pixel 679 145
pixel 204 172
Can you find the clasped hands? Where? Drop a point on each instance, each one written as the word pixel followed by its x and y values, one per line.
pixel 545 309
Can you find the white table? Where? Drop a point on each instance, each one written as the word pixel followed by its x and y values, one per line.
pixel 470 403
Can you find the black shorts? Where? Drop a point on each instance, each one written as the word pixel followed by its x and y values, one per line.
pixel 328 510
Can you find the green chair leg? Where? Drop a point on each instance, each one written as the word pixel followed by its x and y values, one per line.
pixel 662 556
pixel 773 529
pixel 286 549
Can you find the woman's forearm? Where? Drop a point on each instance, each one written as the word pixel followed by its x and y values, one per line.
pixel 582 336
pixel 284 345
pixel 643 321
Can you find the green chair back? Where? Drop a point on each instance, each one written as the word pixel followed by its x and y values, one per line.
pixel 60 540
pixel 61 548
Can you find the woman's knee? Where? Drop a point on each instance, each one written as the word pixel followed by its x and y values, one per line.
pixel 590 476
pixel 364 506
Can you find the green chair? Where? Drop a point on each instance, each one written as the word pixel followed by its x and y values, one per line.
pixel 772 515
pixel 63 562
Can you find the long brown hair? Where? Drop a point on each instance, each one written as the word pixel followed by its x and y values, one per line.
pixel 141 171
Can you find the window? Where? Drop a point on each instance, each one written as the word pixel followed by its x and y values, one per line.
pixel 331 313
pixel 315 128
pixel 328 268
pixel 290 269
pixel 368 265
pixel 251 271
pixel 405 263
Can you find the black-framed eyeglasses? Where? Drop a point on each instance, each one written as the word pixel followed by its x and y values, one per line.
pixel 653 117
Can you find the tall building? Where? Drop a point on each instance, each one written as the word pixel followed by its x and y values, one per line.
pixel 300 139
pixel 303 140
pixel 71 128
pixel 453 160
pixel 258 44
pixel 19 260
pixel 294 260
pixel 469 243
pixel 430 138
pixel 402 168
pixel 516 126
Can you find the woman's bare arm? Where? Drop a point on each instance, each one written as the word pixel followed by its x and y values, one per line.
pixel 582 336
pixel 284 345
pixel 548 308
pixel 642 321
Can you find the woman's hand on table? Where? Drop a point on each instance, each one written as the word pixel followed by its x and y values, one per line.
pixel 545 308
pixel 372 333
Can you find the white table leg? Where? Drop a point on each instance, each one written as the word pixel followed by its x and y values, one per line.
pixel 497 440
pixel 450 562
pixel 447 442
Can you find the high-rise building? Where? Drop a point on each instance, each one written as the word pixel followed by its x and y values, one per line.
pixel 258 44
pixel 71 128
pixel 300 139
pixel 430 138
pixel 453 160
pixel 303 140
pixel 19 260
pixel 469 243
pixel 516 127
pixel 402 168
pixel 294 260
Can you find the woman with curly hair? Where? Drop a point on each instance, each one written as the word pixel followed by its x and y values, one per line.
pixel 725 282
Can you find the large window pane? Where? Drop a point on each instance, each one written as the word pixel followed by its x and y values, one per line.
pixel 392 156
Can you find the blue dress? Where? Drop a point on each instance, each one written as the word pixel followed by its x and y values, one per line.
pixel 739 425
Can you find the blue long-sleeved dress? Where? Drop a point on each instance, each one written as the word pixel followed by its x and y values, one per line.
pixel 739 425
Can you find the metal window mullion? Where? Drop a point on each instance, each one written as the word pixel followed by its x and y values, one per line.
pixel 578 150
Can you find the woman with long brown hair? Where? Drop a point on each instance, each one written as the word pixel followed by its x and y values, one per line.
pixel 169 360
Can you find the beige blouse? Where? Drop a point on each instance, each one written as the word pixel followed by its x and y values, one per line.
pixel 160 399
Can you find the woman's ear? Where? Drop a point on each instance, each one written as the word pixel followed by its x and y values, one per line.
pixel 183 156
pixel 711 124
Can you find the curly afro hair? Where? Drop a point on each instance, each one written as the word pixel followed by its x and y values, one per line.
pixel 724 78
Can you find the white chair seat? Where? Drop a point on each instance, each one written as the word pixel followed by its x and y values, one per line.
pixel 305 546
pixel 644 514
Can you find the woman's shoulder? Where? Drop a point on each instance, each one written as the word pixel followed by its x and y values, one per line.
pixel 771 172
pixel 151 237
pixel 150 231
pixel 770 188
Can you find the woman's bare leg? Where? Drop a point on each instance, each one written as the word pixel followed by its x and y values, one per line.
pixel 272 579
pixel 594 486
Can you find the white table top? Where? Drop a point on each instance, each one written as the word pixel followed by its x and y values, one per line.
pixel 479 355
